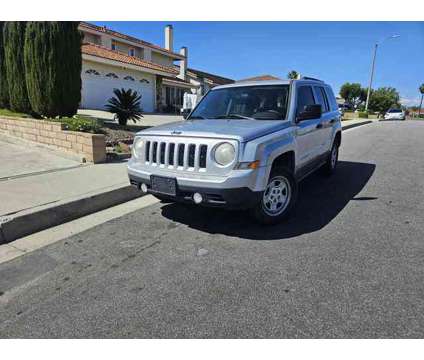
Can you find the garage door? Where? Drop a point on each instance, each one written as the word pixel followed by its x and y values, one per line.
pixel 97 90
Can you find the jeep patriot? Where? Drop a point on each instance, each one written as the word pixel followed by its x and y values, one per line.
pixel 245 146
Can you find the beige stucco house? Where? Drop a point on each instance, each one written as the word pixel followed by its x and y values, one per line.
pixel 115 60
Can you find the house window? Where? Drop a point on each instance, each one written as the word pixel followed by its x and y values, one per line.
pixel 112 75
pixel 92 72
pixel 129 78
pixel 131 52
pixel 113 47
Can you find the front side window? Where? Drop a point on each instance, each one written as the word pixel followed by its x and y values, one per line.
pixel 304 97
pixel 262 102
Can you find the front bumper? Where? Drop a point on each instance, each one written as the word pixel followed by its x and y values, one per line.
pixel 231 198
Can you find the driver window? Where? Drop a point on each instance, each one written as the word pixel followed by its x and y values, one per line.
pixel 305 97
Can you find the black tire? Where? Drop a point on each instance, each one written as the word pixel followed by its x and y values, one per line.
pixel 262 213
pixel 333 157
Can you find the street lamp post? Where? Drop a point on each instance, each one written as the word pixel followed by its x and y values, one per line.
pixel 373 66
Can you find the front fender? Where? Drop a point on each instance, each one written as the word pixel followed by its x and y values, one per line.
pixel 266 149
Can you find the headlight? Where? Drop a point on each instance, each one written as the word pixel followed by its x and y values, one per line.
pixel 136 148
pixel 224 154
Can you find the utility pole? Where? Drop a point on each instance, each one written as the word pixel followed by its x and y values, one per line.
pixel 372 68
pixel 371 77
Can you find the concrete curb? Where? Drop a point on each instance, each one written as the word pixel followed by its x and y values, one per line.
pixel 350 126
pixel 30 221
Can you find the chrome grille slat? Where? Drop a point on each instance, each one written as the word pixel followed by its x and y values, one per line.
pixel 196 157
pixel 167 154
pixel 186 147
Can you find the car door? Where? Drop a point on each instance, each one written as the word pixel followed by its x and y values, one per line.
pixel 307 138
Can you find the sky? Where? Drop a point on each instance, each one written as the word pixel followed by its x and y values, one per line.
pixel 336 52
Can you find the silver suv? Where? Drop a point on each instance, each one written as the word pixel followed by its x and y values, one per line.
pixel 245 146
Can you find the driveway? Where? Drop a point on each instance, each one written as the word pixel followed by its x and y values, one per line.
pixel 146 120
pixel 349 263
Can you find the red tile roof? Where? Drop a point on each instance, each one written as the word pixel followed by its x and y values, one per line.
pixel 102 52
pixel 260 78
pixel 117 34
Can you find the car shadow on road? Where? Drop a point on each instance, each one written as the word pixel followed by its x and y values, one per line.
pixel 320 200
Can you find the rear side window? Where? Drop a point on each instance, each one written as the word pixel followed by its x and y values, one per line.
pixel 322 98
pixel 331 99
pixel 304 97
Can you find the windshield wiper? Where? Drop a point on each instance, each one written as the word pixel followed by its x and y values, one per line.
pixel 195 117
pixel 233 116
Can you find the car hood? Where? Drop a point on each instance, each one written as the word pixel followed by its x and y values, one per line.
pixel 242 130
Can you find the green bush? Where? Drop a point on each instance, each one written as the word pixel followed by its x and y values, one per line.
pixel 4 87
pixel 363 115
pixel 13 43
pixel 52 56
pixel 79 123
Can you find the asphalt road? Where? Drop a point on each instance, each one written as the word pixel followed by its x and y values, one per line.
pixel 349 263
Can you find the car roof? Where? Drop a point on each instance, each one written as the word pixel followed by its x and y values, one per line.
pixel 269 82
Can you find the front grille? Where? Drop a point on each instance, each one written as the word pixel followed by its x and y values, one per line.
pixel 178 155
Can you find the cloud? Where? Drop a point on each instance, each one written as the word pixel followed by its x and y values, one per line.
pixel 410 101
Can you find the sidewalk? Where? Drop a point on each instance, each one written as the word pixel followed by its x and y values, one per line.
pixel 349 124
pixel 40 189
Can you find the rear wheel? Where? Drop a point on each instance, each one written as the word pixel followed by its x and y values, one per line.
pixel 331 163
pixel 278 199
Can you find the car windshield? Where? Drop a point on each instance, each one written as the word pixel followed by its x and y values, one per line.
pixel 395 111
pixel 265 102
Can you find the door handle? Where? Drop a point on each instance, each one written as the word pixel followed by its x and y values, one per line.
pixel 319 126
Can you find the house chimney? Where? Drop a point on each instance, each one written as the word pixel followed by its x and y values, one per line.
pixel 169 38
pixel 183 63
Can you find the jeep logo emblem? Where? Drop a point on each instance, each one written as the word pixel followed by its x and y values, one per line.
pixel 176 132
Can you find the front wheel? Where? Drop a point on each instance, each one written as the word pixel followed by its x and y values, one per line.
pixel 278 199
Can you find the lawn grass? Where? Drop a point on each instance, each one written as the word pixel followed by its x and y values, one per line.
pixel 77 123
pixel 6 112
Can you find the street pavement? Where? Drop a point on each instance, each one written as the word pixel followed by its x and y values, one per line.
pixel 349 263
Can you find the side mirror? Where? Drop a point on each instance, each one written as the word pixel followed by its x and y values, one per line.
pixel 186 113
pixel 310 112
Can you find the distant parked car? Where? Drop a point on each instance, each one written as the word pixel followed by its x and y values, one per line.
pixel 395 114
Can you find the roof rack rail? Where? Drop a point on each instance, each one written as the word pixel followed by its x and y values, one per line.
pixel 310 78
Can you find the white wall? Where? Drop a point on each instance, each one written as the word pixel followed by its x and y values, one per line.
pixel 97 89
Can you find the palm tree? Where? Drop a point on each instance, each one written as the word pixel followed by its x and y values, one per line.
pixel 126 105
pixel 421 88
pixel 293 75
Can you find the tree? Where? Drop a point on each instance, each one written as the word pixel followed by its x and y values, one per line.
pixel 421 88
pixel 13 42
pixel 4 88
pixel 383 99
pixel 353 94
pixel 53 61
pixel 126 105
pixel 293 75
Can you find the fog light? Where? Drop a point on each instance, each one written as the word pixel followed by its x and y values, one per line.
pixel 197 198
pixel 143 188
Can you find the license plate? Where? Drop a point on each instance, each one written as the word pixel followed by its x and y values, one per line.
pixel 164 185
